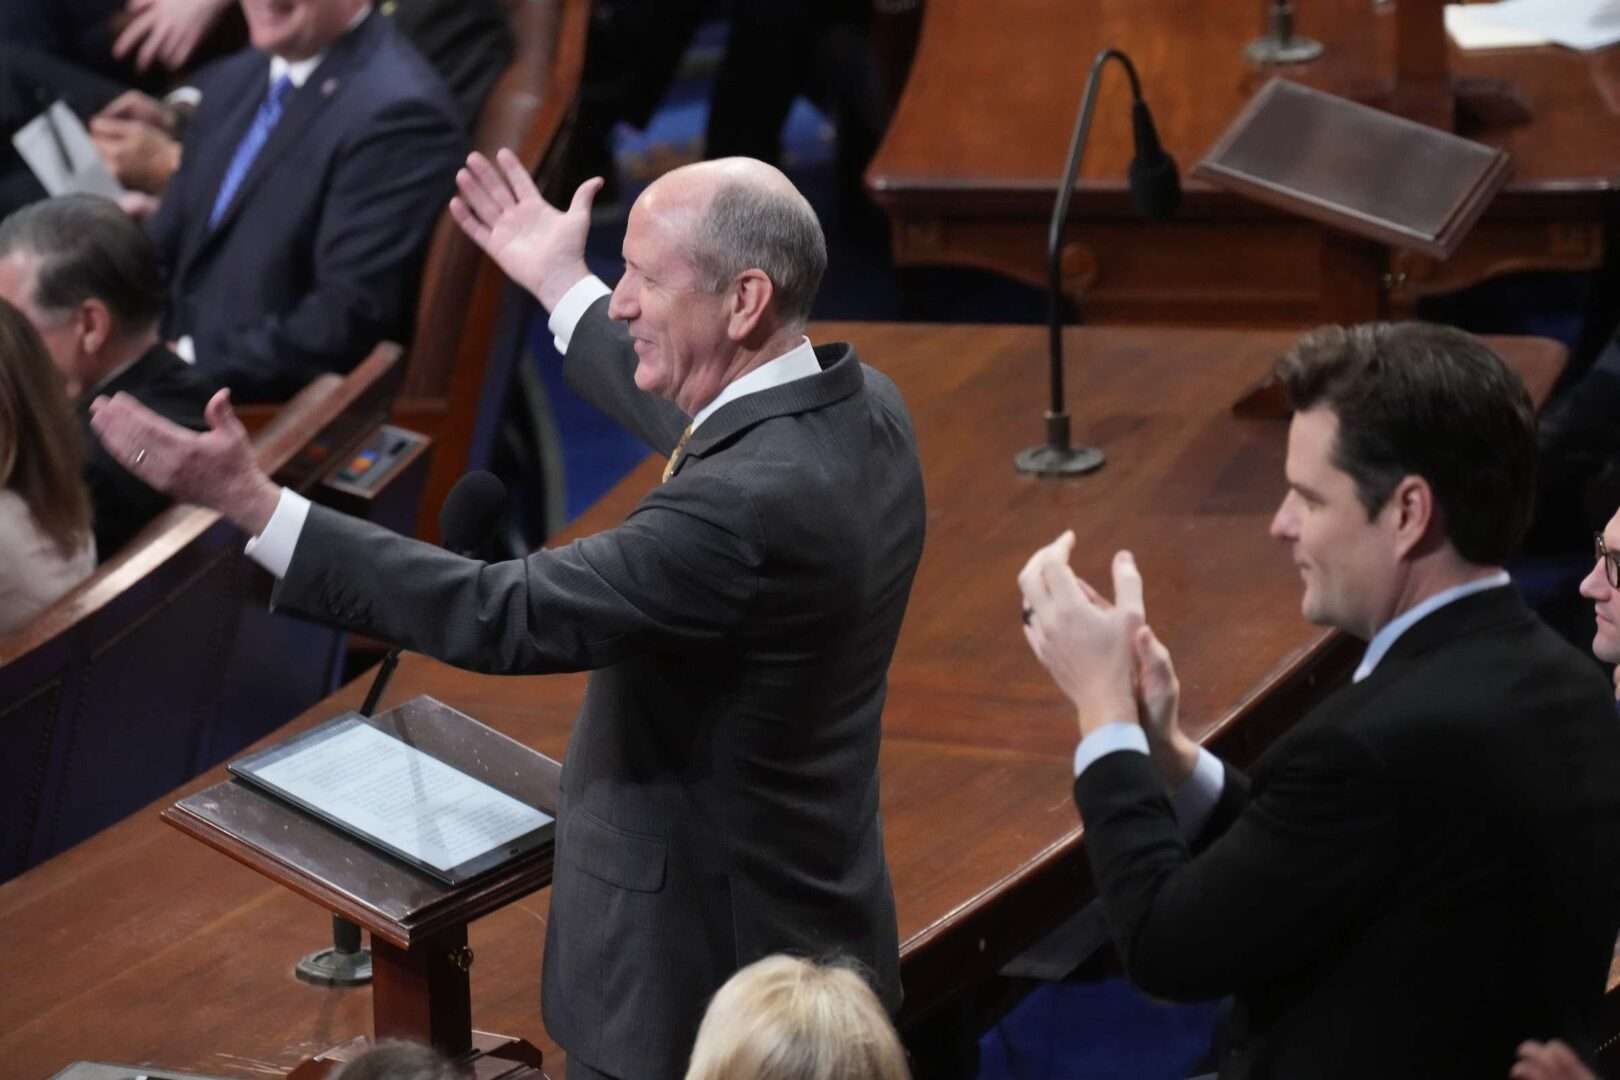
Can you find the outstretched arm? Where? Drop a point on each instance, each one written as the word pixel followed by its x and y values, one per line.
pixel 216 468
pixel 538 246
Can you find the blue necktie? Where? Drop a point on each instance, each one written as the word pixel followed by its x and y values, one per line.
pixel 263 122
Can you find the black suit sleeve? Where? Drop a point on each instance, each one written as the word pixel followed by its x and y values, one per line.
pixel 1292 871
pixel 381 206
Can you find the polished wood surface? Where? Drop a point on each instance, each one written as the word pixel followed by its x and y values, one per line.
pixel 185 957
pixel 969 167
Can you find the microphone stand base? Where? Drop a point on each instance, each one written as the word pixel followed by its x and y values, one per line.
pixel 1049 460
pixel 329 967
pixel 1272 49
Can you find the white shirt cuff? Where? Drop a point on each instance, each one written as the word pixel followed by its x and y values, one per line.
pixel 1194 801
pixel 1105 740
pixel 273 548
pixel 185 350
pixel 572 308
pixel 184 95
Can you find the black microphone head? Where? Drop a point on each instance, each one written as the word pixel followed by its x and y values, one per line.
pixel 1155 182
pixel 471 511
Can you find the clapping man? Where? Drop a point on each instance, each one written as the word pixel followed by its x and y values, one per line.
pixel 1425 871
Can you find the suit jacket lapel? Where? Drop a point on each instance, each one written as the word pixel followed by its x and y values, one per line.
pixel 303 105
pixel 840 377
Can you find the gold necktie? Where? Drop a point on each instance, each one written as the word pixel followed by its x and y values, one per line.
pixel 675 454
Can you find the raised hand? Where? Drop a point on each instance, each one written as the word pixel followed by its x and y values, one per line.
pixel 1081 639
pixel 216 468
pixel 538 246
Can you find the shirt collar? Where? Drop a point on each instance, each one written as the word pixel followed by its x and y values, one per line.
pixel 1400 624
pixel 299 71
pixel 796 363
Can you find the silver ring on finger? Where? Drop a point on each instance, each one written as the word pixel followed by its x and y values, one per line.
pixel 140 455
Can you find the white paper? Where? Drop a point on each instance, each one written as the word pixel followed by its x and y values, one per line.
pixel 1577 24
pixel 58 150
pixel 406 799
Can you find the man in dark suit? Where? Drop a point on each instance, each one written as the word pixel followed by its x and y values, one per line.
pixel 86 276
pixel 312 174
pixel 719 795
pixel 1425 871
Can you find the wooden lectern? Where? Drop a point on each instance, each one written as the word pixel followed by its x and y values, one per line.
pixel 421 962
pixel 1375 180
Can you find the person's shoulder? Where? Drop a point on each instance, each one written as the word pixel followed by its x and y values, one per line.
pixel 395 72
pixel 228 72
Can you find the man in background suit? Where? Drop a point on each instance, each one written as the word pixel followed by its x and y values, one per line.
pixel 719 795
pixel 1425 871
pixel 86 276
pixel 312 174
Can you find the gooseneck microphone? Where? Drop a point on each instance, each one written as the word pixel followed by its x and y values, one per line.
pixel 467 521
pixel 1156 192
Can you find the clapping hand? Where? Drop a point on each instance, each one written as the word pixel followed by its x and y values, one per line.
pixel 538 246
pixel 165 31
pixel 1083 641
pixel 1079 635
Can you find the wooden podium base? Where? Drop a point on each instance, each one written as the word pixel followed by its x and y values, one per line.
pixel 493 1057
pixel 420 959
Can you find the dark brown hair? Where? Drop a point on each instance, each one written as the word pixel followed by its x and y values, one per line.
pixel 1416 399
pixel 41 443
pixel 87 248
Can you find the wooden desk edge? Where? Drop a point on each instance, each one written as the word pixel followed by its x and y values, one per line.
pixel 501 890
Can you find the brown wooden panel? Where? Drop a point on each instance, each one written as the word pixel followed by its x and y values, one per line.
pixel 184 957
pixel 982 126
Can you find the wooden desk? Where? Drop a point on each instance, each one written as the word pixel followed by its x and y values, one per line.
pixel 968 170
pixel 143 945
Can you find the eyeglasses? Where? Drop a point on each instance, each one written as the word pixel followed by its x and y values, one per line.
pixel 1609 559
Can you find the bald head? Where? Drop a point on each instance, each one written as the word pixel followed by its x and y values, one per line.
pixel 737 214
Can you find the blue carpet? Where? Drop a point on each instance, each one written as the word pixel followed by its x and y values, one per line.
pixel 1103 1030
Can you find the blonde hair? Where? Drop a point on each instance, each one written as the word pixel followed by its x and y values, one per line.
pixel 41 443
pixel 782 1018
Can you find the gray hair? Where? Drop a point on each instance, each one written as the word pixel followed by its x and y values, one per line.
pixel 747 226
pixel 399 1059
pixel 87 248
